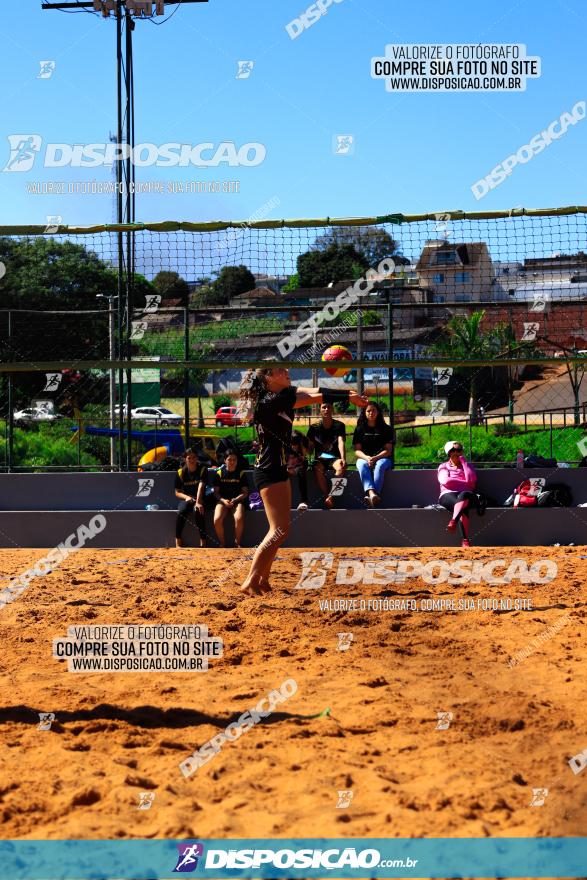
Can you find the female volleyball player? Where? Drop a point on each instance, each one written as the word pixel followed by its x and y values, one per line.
pixel 373 442
pixel 231 490
pixel 457 480
pixel 269 394
pixel 190 486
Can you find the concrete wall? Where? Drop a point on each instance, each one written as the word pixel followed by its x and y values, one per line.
pixel 41 510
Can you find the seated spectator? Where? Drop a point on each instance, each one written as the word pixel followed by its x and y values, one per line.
pixel 297 465
pixel 190 488
pixel 327 441
pixel 373 443
pixel 457 480
pixel 232 490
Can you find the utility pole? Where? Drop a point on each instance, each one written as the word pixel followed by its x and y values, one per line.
pixel 126 13
pixel 111 355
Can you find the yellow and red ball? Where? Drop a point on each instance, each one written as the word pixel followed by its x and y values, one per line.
pixel 337 353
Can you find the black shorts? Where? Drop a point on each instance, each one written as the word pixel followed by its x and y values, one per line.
pixel 263 477
pixel 449 499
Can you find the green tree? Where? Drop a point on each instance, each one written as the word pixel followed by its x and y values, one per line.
pixel 292 284
pixel 503 343
pixel 170 285
pixel 337 262
pixel 464 340
pixel 373 242
pixel 231 281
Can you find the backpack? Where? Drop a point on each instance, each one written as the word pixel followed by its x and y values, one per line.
pixel 534 493
pixel 555 495
pixel 526 493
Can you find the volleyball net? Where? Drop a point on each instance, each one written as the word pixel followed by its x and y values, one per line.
pixel 464 322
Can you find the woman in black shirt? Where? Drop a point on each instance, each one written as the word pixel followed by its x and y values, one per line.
pixel 190 486
pixel 269 394
pixel 373 442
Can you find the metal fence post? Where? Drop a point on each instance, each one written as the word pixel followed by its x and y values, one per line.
pixel 186 376
pixel 10 423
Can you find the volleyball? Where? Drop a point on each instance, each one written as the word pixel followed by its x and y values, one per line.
pixel 337 353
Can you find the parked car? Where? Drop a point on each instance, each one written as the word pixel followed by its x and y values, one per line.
pixel 228 415
pixel 34 414
pixel 156 415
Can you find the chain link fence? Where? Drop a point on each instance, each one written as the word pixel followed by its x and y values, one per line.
pixel 469 327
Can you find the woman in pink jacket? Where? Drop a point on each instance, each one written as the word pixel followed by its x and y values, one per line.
pixel 457 480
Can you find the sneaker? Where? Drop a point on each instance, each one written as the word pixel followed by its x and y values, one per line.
pixel 302 505
pixel 465 542
pixel 451 526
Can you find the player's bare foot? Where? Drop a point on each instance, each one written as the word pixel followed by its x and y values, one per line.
pixel 255 586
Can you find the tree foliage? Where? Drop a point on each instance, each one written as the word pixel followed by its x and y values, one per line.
pixel 373 242
pixel 337 262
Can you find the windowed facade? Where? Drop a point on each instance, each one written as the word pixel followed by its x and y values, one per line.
pixel 446 258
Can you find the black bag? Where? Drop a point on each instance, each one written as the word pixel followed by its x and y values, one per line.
pixel 538 461
pixel 555 495
pixel 481 503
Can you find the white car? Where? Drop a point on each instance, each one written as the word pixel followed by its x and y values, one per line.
pixel 156 415
pixel 33 414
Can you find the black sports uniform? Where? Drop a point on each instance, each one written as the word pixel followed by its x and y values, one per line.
pixel 230 483
pixel 273 419
pixel 373 440
pixel 188 482
pixel 325 439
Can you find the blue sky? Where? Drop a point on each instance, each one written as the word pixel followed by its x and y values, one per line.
pixel 413 153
